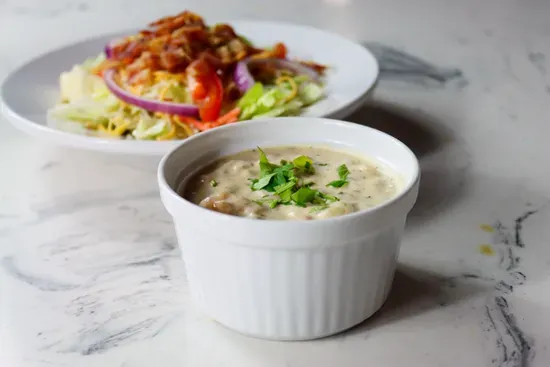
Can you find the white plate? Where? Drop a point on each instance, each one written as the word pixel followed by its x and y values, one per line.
pixel 29 91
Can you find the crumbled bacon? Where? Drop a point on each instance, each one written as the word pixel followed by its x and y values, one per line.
pixel 171 44
pixel 143 76
pixel 175 41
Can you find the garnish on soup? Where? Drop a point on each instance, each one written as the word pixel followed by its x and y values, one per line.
pixel 286 183
pixel 306 183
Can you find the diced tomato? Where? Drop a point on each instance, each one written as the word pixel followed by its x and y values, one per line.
pixel 206 89
pixel 199 92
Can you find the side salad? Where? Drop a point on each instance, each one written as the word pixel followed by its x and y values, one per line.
pixel 180 77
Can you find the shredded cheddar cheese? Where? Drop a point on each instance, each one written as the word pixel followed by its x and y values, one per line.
pixel 163 92
pixel 119 130
pixel 166 76
pixel 113 130
pixel 160 75
pixel 185 127
pixel 293 86
pixel 169 135
pixel 137 90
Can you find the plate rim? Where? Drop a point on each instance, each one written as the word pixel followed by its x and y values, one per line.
pixel 156 148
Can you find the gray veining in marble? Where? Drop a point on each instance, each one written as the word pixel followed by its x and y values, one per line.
pixel 90 272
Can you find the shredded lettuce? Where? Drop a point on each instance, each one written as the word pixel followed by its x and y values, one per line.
pixel 86 101
pixel 309 93
pixel 261 101
pixel 149 128
pixel 90 113
pixel 93 62
pixel 252 95
pixel 178 94
pixel 78 84
pixel 288 109
pixel 106 98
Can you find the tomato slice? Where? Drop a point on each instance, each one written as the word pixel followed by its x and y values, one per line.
pixel 206 89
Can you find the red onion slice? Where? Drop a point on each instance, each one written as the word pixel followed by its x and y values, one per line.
pixel 244 79
pixel 109 47
pixel 170 108
pixel 108 51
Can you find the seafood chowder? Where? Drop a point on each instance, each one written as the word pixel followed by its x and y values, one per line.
pixel 292 183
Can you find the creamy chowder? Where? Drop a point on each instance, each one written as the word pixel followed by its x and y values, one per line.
pixel 297 182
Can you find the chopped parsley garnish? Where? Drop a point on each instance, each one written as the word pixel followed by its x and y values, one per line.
pixel 284 187
pixel 318 209
pixel 343 173
pixel 286 183
pixel 261 183
pixel 328 198
pixel 265 166
pixel 213 183
pixel 304 163
pixel 303 196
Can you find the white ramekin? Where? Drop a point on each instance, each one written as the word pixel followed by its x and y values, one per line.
pixel 288 280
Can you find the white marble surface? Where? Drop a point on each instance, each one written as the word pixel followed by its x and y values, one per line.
pixel 89 271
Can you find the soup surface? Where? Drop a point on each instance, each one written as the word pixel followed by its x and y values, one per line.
pixel 298 182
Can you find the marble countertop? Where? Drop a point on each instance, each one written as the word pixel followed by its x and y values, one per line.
pixel 90 274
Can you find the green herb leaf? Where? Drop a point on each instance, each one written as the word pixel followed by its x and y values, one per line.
pixel 337 183
pixel 304 163
pixel 284 187
pixel 265 166
pixel 303 196
pixel 288 187
pixel 213 183
pixel 343 172
pixel 328 198
pixel 286 196
pixel 287 167
pixel 318 209
pixel 262 182
pixel 279 178
pixel 251 96
pixel 291 174
pixel 322 164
